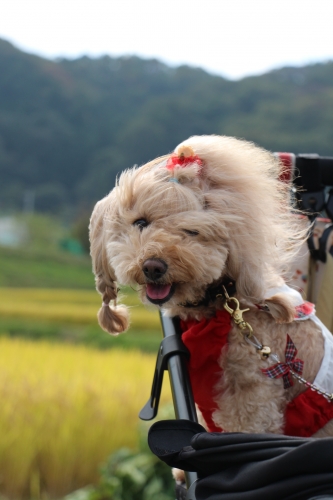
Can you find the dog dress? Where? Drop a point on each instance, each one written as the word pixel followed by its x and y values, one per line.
pixel 205 340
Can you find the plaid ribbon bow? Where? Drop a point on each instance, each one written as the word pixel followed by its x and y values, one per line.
pixel 283 369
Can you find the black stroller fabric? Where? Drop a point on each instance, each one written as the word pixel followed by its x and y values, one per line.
pixel 238 466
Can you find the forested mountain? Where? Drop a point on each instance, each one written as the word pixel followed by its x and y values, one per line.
pixel 67 127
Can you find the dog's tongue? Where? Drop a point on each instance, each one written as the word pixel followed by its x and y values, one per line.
pixel 157 291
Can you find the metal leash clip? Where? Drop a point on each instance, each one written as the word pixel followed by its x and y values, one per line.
pixel 237 315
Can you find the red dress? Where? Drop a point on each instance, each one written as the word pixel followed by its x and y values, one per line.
pixel 205 340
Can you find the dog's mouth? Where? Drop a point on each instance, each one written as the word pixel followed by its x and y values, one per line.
pixel 159 294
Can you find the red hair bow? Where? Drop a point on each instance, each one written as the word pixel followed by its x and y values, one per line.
pixel 182 161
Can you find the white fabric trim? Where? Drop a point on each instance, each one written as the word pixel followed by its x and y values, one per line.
pixel 324 378
pixel 291 292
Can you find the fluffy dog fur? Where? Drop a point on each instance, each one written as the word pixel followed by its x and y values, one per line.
pixel 227 214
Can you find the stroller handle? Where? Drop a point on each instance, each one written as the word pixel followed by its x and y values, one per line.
pixel 322 164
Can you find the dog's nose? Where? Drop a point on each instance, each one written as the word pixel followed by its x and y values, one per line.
pixel 154 269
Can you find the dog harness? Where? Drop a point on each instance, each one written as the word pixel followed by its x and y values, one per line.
pixel 206 339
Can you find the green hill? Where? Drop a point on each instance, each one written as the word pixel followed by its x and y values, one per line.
pixel 67 127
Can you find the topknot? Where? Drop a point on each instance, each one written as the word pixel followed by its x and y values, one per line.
pixel 184 151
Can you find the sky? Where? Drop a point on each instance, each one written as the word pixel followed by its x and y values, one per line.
pixel 232 38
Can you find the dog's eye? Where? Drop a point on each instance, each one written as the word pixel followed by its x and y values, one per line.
pixel 191 232
pixel 141 223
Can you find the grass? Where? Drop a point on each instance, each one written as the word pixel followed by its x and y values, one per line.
pixel 93 336
pixel 65 405
pixel 53 269
pixel 47 293
pixel 41 260
pixel 72 306
pixel 64 410
pixel 70 316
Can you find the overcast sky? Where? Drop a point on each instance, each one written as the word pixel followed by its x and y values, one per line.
pixel 232 38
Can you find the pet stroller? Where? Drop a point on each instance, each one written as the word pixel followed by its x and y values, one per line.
pixel 237 466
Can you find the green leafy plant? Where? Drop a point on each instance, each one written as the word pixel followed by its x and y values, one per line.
pixel 133 476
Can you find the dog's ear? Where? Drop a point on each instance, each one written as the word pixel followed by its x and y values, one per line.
pixel 113 320
pixel 281 308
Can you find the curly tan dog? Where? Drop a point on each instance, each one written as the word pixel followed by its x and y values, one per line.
pixel 207 232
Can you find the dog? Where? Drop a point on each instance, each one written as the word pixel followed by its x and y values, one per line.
pixel 208 233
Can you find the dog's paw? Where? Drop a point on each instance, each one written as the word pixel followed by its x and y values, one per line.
pixel 178 475
pixel 181 490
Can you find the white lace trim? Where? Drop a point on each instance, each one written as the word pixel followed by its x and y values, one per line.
pixel 324 378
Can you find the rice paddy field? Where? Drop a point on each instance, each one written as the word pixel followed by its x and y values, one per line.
pixel 64 409
pixel 69 306
pixel 70 315
pixel 70 393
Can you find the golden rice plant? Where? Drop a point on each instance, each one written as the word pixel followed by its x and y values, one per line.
pixel 64 409
pixel 68 306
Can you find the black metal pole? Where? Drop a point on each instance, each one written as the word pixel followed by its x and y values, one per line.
pixel 181 390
